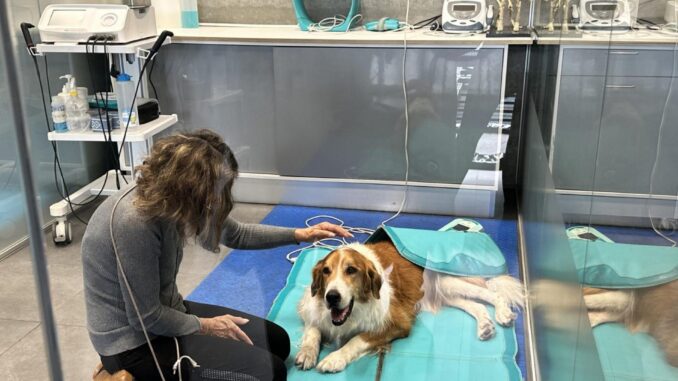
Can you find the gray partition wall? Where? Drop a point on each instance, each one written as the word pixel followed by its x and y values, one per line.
pixel 336 115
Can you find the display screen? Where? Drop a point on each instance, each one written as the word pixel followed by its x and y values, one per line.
pixel 603 7
pixel 464 8
pixel 71 17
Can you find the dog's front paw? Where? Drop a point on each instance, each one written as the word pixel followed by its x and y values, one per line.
pixel 334 362
pixel 306 358
pixel 505 316
pixel 485 329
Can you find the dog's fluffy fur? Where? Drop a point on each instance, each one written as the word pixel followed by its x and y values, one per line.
pixel 653 310
pixel 365 296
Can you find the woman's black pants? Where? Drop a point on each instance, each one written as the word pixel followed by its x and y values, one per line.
pixel 219 358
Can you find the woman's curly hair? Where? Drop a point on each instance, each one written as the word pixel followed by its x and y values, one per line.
pixel 187 180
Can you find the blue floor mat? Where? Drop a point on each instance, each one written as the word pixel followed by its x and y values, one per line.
pixel 250 280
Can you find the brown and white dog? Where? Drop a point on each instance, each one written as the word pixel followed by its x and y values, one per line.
pixel 365 296
pixel 652 310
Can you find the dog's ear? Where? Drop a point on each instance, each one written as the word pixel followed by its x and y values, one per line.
pixel 318 285
pixel 372 281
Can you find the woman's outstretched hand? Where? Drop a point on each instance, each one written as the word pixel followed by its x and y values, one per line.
pixel 321 231
pixel 225 326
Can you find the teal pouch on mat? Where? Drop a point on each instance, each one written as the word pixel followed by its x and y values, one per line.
pixel 441 346
pixel 620 265
pixel 463 253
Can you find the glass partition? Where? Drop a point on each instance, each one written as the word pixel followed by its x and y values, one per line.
pixel 563 346
pixel 80 163
pixel 605 108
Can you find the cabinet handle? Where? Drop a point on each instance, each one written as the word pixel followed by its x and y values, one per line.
pixel 620 86
pixel 624 52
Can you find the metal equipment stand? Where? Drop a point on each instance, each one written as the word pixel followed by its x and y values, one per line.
pixel 137 142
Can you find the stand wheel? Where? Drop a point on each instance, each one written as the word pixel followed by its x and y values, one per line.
pixel 62 234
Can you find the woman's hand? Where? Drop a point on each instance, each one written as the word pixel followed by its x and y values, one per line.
pixel 320 231
pixel 225 326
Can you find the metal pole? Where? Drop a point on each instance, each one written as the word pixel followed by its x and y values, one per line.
pixel 33 214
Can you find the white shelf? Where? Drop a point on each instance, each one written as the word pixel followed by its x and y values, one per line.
pixel 291 35
pixel 131 48
pixel 134 134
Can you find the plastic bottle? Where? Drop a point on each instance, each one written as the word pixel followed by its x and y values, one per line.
pixel 59 114
pixel 124 93
pixel 77 116
pixel 189 14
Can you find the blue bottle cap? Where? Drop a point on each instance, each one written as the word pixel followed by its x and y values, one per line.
pixel 123 77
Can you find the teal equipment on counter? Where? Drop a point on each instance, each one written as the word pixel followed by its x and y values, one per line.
pixel 305 23
pixel 466 252
pixel 384 24
pixel 441 346
pixel 606 264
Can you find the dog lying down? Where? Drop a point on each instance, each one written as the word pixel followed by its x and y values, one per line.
pixel 653 310
pixel 365 296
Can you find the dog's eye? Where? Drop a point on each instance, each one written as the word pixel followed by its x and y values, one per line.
pixel 326 270
pixel 351 270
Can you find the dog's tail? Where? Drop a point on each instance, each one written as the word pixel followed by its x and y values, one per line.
pixel 510 289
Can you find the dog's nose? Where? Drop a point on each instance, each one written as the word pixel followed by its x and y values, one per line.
pixel 333 297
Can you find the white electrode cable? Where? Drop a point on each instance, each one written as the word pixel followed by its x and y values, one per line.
pixel 407 119
pixel 177 364
pixel 329 23
pixel 659 140
pixel 129 288
pixel 328 243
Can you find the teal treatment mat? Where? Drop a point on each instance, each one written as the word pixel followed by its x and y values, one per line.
pixel 441 346
pixel 627 356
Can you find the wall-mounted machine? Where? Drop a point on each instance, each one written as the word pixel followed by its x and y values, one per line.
pixel 603 14
pixel 71 23
pixel 463 16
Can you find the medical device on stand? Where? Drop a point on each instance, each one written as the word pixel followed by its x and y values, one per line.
pixel 466 16
pixel 126 35
pixel 603 15
pixel 72 23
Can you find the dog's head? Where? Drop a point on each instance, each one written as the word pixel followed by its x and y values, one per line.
pixel 343 278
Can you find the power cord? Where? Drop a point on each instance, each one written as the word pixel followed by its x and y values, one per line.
pixel 656 158
pixel 407 120
pixel 329 23
pixel 29 44
pixel 151 55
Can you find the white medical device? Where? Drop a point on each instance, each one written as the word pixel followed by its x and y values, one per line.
pixel 603 14
pixel 73 23
pixel 463 16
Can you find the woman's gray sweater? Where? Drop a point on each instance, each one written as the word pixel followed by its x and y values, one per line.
pixel 150 252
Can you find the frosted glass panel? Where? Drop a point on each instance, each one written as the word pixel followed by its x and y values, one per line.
pixel 226 89
pixel 347 104
pixel 339 112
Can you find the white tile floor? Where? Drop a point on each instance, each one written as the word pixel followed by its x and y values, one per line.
pixel 22 354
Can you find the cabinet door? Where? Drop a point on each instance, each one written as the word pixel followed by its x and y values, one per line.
pixel 607 133
pixel 580 102
pixel 629 132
